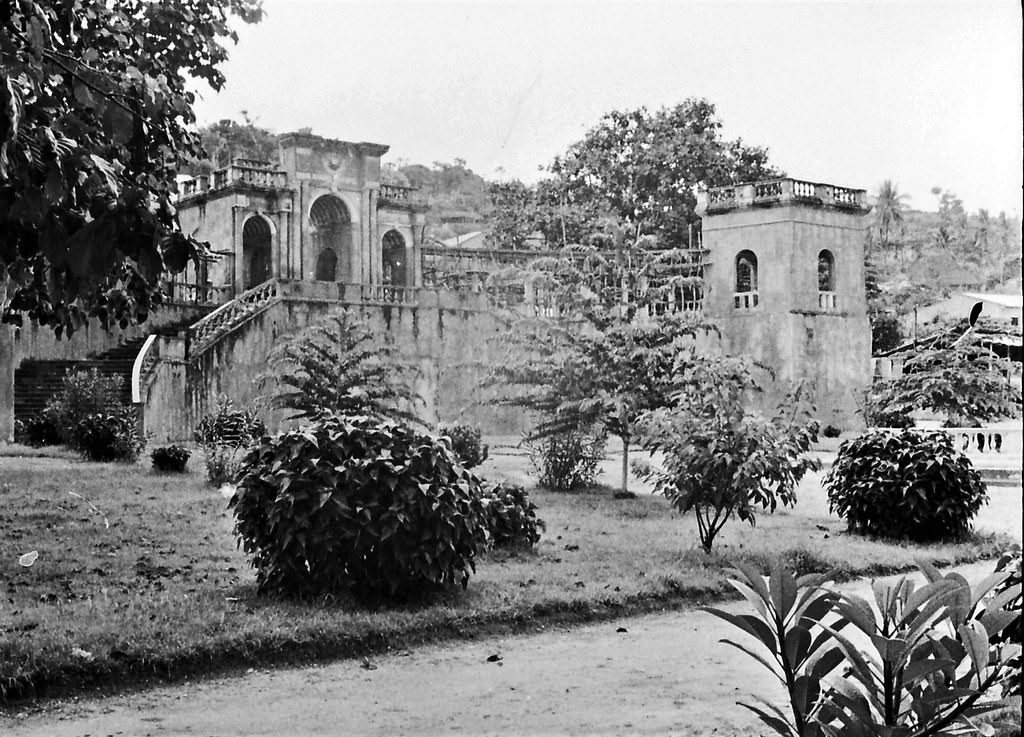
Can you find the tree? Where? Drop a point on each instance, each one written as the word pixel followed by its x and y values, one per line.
pixel 644 168
pixel 887 219
pixel 225 140
pixel 720 458
pixel 337 367
pixel 512 214
pixel 95 119
pixel 589 362
pixel 964 380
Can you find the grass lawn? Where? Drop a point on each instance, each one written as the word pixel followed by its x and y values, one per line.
pixel 138 577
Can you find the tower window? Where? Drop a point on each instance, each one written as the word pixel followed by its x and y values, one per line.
pixel 746 280
pixel 826 281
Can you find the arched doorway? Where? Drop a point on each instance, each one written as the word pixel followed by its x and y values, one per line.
pixel 256 237
pixel 330 227
pixel 393 259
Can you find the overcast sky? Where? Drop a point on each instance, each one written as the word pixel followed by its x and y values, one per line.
pixel 926 94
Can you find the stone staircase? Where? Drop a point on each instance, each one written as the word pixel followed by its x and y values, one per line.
pixel 36 381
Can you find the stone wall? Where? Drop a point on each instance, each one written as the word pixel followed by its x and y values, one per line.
pixel 449 338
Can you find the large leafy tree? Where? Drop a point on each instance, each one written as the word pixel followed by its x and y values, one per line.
pixel 644 167
pixel 227 139
pixel 638 168
pixel 95 119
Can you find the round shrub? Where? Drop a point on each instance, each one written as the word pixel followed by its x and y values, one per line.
pixel 348 503
pixel 38 430
pixel 170 458
pixel 831 431
pixel 466 443
pixel 512 517
pixel 568 461
pixel 905 484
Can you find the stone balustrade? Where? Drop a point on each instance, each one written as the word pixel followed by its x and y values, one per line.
pixel 396 193
pixel 745 300
pixel 777 191
pixel 230 315
pixel 827 300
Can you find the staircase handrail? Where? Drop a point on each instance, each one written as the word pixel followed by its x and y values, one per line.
pixel 143 364
pixel 207 331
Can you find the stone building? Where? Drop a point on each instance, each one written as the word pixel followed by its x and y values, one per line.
pixel 317 232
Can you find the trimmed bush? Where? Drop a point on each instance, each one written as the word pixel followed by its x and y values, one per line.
pixel 567 461
pixel 351 504
pixel 170 458
pixel 905 484
pixel 831 431
pixel 110 436
pixel 512 517
pixel 466 443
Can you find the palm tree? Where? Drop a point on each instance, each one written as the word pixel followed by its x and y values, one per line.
pixel 888 219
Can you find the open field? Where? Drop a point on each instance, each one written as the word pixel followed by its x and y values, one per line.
pixel 138 577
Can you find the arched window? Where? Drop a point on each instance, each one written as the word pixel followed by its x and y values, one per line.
pixel 256 236
pixel 393 260
pixel 826 272
pixel 331 229
pixel 327 265
pixel 826 281
pixel 746 280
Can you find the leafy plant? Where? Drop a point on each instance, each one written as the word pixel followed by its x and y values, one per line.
pixel 831 431
pixel 569 460
pixel 338 367
pixel 110 436
pixel 1010 563
pixel 170 458
pixel 225 434
pixel 720 459
pixel 81 395
pixel 962 379
pixel 38 430
pixel 95 115
pixel 905 484
pixel 916 664
pixel 512 517
pixel 466 444
pixel 351 504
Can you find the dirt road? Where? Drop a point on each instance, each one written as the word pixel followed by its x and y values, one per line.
pixel 665 675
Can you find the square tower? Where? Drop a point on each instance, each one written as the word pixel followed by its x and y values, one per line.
pixel 785 286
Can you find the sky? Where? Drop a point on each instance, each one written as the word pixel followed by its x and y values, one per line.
pixel 925 94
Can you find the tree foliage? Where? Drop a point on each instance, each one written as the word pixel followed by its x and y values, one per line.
pixel 337 367
pixel 227 139
pixel 639 168
pixel 95 119
pixel 721 459
pixel 965 381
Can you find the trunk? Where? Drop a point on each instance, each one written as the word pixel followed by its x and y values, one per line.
pixel 625 464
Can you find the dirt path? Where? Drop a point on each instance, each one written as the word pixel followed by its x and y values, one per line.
pixel 667 674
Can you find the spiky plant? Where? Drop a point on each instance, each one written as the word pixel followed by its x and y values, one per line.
pixel 338 367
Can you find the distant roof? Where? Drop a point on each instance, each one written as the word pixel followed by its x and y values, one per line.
pixel 466 240
pixel 1004 300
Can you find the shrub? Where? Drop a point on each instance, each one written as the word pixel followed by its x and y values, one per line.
pixel 567 461
pixel 877 413
pixel 225 434
pixel 512 517
pixel 1009 594
pixel 466 444
pixel 37 430
pixel 110 436
pixel 918 665
pixel 831 431
pixel 83 394
pixel 170 458
pixel 905 484
pixel 230 427
pixel 347 503
pixel 719 459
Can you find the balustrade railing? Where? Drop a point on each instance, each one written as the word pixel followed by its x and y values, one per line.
pixel 230 315
pixel 783 190
pixel 826 300
pixel 197 294
pixel 396 192
pixel 388 294
pixel 744 300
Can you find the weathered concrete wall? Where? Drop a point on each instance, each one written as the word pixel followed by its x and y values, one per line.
pixel 447 337
pixel 829 349
pixel 6 384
